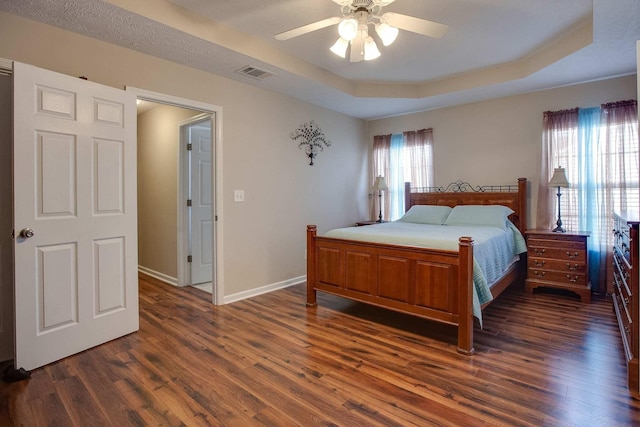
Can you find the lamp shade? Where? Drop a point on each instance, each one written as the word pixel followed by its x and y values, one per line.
pixel 387 33
pixel 370 49
pixel 348 29
pixel 559 178
pixel 340 47
pixel 380 184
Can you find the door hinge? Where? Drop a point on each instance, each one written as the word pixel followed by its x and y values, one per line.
pixel 188 202
pixel 189 258
pixel 215 218
pixel 189 147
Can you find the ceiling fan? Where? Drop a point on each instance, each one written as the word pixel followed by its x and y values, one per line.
pixel 353 27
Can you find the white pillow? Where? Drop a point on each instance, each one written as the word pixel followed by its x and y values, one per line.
pixel 426 214
pixel 492 215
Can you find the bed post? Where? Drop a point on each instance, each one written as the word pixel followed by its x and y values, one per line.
pixel 522 204
pixel 465 296
pixel 407 196
pixel 311 266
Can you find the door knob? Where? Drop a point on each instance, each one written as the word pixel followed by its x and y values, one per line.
pixel 25 233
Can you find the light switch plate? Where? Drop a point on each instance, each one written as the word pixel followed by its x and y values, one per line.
pixel 238 195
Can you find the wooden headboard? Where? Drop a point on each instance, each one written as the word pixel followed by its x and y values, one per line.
pixel 462 193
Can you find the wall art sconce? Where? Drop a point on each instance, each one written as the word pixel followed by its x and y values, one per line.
pixel 310 138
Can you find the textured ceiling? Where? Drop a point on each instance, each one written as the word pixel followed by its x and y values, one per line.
pixel 493 47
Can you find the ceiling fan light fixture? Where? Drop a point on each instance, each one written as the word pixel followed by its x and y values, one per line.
pixel 340 47
pixel 387 33
pixel 370 49
pixel 348 29
pixel 353 27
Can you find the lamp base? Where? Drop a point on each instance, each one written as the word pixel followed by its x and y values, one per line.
pixel 559 228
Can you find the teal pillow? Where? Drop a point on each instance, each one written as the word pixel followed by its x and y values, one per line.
pixel 491 215
pixel 426 214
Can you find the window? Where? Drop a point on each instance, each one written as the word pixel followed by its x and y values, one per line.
pixel 400 158
pixel 599 149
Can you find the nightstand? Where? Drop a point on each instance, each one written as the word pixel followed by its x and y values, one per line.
pixel 558 260
pixel 361 223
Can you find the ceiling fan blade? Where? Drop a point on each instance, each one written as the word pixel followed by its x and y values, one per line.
pixel 416 25
pixel 308 28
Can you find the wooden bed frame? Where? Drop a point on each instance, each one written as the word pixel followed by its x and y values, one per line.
pixel 429 283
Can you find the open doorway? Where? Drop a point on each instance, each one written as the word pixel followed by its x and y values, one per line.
pixel 178 243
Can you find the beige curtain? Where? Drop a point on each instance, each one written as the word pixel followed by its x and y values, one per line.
pixel 560 129
pixel 416 166
pixel 620 169
pixel 619 125
pixel 419 149
pixel 380 167
pixel 599 148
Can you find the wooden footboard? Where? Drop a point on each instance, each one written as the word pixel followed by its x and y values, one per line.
pixel 429 283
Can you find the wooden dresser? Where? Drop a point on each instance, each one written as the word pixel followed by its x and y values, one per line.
pixel 558 260
pixel 625 289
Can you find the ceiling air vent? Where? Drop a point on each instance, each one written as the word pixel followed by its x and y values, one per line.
pixel 254 72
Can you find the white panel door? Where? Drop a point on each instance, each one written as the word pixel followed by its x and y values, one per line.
pixel 6 221
pixel 201 181
pixel 75 215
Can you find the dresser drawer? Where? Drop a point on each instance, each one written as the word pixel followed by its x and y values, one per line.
pixel 624 322
pixel 621 283
pixel 578 254
pixel 558 277
pixel 557 265
pixel 556 243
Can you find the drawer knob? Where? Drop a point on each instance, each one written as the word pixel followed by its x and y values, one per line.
pixel 572 267
pixel 573 255
pixel 624 248
pixel 538 251
pixel 573 279
pixel 538 263
pixel 539 273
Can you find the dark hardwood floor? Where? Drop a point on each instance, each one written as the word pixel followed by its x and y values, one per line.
pixel 541 360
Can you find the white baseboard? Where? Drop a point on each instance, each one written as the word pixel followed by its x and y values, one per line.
pixel 234 297
pixel 263 289
pixel 157 275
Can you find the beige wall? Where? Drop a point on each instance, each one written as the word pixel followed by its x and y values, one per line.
pixel 158 142
pixel 264 237
pixel 498 141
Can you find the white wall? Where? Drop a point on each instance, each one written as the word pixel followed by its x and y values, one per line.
pixel 264 237
pixel 498 141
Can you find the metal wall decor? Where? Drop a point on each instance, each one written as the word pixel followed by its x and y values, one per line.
pixel 309 137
